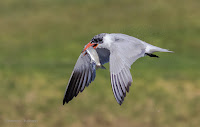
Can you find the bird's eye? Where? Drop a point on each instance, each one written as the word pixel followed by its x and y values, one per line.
pixel 95 40
pixel 95 45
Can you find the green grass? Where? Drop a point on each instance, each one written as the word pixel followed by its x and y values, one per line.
pixel 40 41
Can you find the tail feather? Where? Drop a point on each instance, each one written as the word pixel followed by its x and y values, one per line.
pixel 151 49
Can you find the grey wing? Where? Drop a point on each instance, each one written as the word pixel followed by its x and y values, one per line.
pixel 123 54
pixel 83 74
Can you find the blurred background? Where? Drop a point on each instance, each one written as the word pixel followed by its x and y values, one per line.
pixel 40 41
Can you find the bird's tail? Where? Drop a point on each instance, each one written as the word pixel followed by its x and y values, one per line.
pixel 151 49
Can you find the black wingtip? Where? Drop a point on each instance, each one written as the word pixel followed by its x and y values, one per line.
pixel 63 101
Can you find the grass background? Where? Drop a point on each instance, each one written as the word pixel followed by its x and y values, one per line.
pixel 40 41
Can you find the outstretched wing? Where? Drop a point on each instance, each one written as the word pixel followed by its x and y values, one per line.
pixel 83 74
pixel 122 55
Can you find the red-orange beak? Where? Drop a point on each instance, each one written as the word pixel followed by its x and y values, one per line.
pixel 90 44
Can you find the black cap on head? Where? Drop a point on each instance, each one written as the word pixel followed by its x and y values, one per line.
pixel 98 39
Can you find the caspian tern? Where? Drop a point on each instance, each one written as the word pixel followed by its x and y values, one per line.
pixel 121 51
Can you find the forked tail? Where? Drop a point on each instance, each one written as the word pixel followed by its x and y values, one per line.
pixel 151 49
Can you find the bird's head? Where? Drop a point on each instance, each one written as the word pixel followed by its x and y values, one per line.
pixel 96 40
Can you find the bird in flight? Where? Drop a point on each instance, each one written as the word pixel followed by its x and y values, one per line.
pixel 121 51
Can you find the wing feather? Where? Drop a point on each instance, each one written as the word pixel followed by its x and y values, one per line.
pixel 77 83
pixel 115 91
pixel 84 81
pixel 122 85
pixel 82 75
pixel 122 55
pixel 72 84
pixel 118 87
pixel 81 82
pixel 89 77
